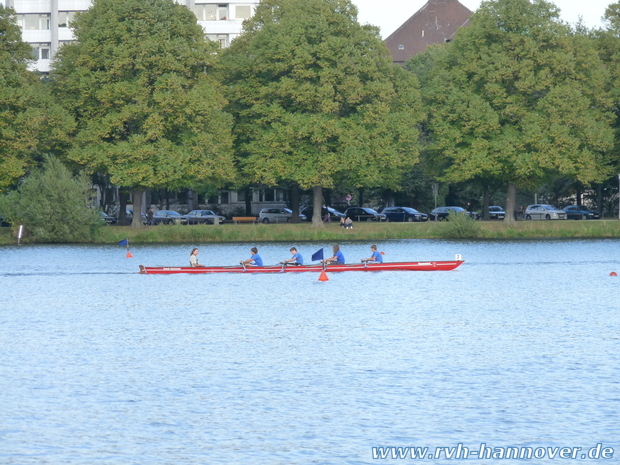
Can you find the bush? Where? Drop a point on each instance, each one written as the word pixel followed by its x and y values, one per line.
pixel 53 205
pixel 461 226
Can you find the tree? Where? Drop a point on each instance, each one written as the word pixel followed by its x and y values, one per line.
pixel 149 113
pixel 316 99
pixel 516 97
pixel 53 205
pixel 30 123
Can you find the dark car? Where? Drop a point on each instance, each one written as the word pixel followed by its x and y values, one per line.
pixel 107 218
pixel 579 212
pixel 168 217
pixel 334 215
pixel 3 222
pixel 364 214
pixel 403 214
pixel 203 217
pixel 129 217
pixel 441 213
pixel 496 213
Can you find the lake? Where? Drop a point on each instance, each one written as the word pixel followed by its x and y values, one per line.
pixel 520 346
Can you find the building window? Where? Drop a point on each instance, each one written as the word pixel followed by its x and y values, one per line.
pixel 222 12
pixel 206 12
pixel 243 11
pixel 41 51
pixel 34 22
pixel 401 47
pixel 65 18
pixel 224 197
pixel 221 38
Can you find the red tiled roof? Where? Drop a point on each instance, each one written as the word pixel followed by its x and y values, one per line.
pixel 434 23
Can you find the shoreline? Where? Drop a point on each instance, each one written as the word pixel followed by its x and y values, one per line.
pixel 304 232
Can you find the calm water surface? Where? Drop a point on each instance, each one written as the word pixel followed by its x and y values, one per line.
pixel 101 365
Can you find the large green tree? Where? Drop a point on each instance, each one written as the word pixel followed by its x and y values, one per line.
pixel 30 123
pixel 516 97
pixel 137 78
pixel 317 100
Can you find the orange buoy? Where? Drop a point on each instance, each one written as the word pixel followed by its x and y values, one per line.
pixel 613 273
pixel 129 254
pixel 323 276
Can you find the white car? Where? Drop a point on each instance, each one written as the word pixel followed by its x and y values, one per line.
pixel 277 215
pixel 544 212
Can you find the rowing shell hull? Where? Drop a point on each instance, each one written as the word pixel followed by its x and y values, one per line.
pixel 395 266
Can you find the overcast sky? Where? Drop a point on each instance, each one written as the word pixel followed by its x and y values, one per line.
pixel 390 14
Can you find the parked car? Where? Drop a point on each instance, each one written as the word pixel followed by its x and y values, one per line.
pixel 277 215
pixel 334 215
pixel 129 217
pixel 168 217
pixel 544 212
pixel 107 218
pixel 364 214
pixel 203 217
pixel 579 212
pixel 403 214
pixel 496 213
pixel 441 213
pixel 4 222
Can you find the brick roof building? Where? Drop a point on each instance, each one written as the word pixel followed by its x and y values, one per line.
pixel 434 23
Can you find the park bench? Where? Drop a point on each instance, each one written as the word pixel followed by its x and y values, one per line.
pixel 245 219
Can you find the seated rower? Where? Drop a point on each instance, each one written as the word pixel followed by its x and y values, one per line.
pixel 254 260
pixel 296 259
pixel 376 257
pixel 193 258
pixel 337 259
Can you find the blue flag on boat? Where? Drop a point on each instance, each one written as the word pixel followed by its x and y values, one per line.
pixel 124 242
pixel 317 255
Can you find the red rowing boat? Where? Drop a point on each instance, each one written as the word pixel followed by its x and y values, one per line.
pixel 395 266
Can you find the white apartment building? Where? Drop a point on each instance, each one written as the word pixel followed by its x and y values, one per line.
pixel 45 23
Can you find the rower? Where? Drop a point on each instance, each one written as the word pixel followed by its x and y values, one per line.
pixel 296 259
pixel 337 259
pixel 193 258
pixel 376 257
pixel 254 260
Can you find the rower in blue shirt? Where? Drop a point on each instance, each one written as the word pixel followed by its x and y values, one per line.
pixel 296 259
pixel 376 257
pixel 338 258
pixel 254 260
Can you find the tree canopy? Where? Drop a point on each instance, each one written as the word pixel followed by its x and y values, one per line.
pixel 149 113
pixel 30 123
pixel 316 99
pixel 516 97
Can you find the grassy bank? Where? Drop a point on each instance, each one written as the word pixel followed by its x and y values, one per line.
pixel 371 232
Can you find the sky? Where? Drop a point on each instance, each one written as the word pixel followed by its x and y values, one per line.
pixel 390 14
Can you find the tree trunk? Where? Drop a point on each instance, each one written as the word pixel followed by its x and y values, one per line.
pixel 317 204
pixel 510 204
pixel 485 202
pixel 248 201
pixel 136 222
pixel 190 200
pixel 599 199
pixel 295 203
pixel 122 208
